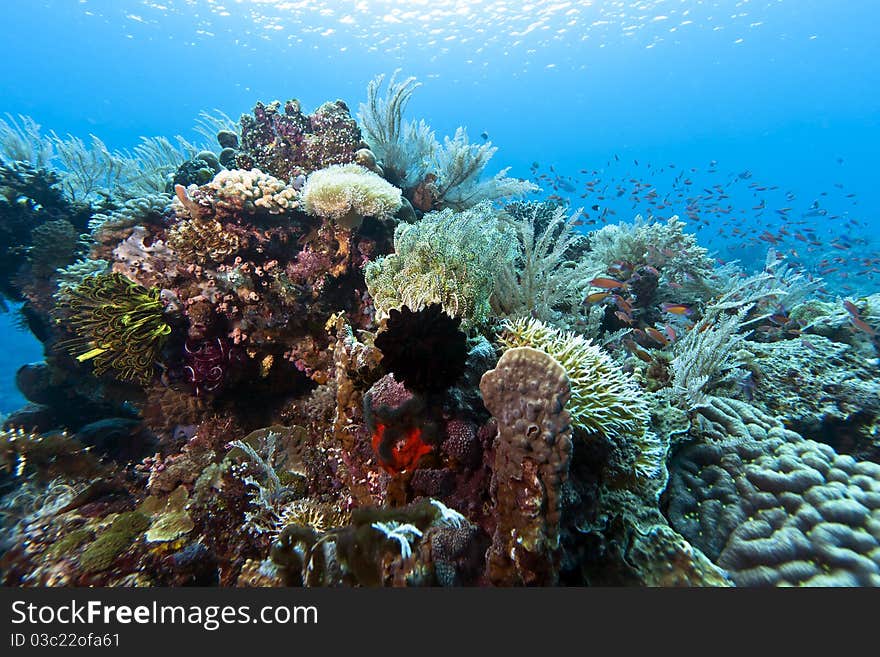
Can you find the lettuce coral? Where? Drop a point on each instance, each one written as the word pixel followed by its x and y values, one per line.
pixel 347 193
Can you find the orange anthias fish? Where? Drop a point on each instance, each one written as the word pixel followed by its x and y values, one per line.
pixel 656 336
pixel 676 309
pixel 623 317
pixel 608 283
pixel 596 297
pixel 637 351
pixel 856 319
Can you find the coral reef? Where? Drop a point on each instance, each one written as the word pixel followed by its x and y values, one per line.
pixel 312 359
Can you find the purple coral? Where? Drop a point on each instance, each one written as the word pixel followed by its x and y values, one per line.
pixel 289 144
pixel 207 363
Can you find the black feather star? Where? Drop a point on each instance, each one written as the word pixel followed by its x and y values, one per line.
pixel 425 350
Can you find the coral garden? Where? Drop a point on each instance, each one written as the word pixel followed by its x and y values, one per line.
pixel 329 350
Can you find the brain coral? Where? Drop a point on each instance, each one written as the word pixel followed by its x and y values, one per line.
pixel 779 509
pixel 347 193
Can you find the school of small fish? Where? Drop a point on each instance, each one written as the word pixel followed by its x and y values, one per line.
pixel 825 236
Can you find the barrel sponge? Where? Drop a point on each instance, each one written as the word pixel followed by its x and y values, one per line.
pixel 526 393
pixel 779 510
pixel 603 398
pixel 347 193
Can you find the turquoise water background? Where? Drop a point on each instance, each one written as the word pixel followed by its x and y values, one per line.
pixel 786 90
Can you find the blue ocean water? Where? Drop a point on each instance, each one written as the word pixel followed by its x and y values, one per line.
pixel 781 95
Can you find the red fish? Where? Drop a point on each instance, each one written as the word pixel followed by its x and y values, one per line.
pixel 637 351
pixel 656 336
pixel 623 304
pixel 623 317
pixel 856 319
pixel 608 283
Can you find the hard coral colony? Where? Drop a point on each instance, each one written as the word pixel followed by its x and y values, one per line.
pixel 336 353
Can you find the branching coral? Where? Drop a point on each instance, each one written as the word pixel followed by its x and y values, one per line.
pixel 664 246
pixel 347 193
pixel 708 354
pixel 448 258
pixel 270 487
pixel 119 324
pixel 603 399
pixel 704 356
